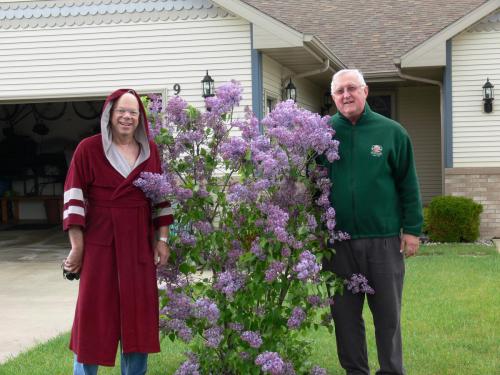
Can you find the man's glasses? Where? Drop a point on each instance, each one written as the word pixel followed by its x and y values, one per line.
pixel 122 111
pixel 350 89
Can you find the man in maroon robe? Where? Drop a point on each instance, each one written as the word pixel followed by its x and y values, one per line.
pixel 114 247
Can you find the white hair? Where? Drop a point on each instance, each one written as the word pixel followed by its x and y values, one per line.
pixel 342 72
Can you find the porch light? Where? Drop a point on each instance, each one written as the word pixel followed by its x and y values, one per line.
pixel 488 96
pixel 290 91
pixel 207 86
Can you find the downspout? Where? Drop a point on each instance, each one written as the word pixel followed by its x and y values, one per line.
pixel 441 109
pixel 322 69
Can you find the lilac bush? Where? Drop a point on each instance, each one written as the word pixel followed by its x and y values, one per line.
pixel 253 221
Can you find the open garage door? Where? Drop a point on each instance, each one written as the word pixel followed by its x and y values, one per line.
pixel 37 141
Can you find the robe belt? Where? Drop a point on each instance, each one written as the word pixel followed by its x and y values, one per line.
pixel 118 203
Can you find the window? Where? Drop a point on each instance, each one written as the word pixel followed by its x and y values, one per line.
pixel 270 103
pixel 382 103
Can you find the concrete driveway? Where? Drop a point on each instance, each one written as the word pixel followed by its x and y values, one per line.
pixel 36 303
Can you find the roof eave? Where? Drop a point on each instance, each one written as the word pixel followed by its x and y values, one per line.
pixel 321 47
pixel 432 52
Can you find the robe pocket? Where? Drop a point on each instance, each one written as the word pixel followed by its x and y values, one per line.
pixel 99 230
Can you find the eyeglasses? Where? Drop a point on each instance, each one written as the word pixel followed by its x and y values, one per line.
pixel 122 111
pixel 350 89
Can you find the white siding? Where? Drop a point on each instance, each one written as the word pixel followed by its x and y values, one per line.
pixel 419 113
pixel 274 74
pixel 93 60
pixel 271 78
pixel 476 135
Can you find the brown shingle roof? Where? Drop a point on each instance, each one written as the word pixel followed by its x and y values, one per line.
pixel 368 34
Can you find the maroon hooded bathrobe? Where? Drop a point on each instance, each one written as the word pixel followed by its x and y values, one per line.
pixel 118 295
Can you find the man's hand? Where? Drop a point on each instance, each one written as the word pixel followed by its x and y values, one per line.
pixel 162 253
pixel 409 244
pixel 73 263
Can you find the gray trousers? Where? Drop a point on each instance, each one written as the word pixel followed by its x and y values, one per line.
pixel 381 262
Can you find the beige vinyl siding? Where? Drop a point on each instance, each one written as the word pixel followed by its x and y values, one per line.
pixel 274 79
pixel 271 79
pixel 476 135
pixel 419 113
pixel 92 60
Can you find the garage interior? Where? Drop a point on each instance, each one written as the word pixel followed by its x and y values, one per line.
pixel 37 141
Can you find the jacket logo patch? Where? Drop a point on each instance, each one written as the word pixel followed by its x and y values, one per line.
pixel 376 151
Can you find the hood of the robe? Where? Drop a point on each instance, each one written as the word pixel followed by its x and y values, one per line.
pixel 142 132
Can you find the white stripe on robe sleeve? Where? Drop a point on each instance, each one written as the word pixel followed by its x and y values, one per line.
pixel 76 210
pixel 73 193
pixel 163 212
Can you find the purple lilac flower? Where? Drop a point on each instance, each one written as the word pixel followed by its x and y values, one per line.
pixel 229 282
pixel 176 111
pixel 205 308
pixel 277 220
pixel 316 370
pixel 296 319
pixel 189 367
pixel 240 193
pixel 178 306
pixel 204 227
pixel 275 269
pixel 230 93
pixel 288 369
pixel 307 267
pixel 270 362
pixel 236 327
pixel 261 184
pixel 358 283
pixel 235 252
pixel 154 185
pixel 314 300
pixel 234 149
pixel 257 250
pixel 250 127
pixel 341 236
pixel 202 192
pixel 213 336
pixel 179 326
pixel 155 103
pixel 182 194
pixel 154 129
pixel 252 338
pixel 187 239
pixel 311 222
pixel 285 252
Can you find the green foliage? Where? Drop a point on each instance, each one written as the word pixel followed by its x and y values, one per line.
pixel 452 335
pixel 425 226
pixel 453 219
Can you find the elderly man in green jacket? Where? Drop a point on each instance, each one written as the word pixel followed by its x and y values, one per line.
pixel 376 196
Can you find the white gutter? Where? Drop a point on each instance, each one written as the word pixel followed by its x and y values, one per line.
pixel 441 109
pixel 324 68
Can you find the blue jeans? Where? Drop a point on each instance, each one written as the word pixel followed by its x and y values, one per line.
pixel 131 364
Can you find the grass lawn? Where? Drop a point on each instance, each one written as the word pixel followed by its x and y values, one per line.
pixel 451 322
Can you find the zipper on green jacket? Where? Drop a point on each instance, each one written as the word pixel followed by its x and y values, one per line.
pixel 353 146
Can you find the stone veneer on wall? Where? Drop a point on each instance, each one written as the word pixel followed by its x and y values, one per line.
pixel 483 186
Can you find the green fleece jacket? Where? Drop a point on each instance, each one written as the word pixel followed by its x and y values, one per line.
pixel 375 190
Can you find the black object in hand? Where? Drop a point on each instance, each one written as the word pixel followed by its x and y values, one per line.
pixel 70 275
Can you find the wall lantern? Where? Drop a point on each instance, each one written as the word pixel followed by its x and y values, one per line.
pixel 488 96
pixel 290 91
pixel 207 86
pixel 327 101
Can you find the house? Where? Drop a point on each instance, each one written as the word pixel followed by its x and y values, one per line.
pixel 425 63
